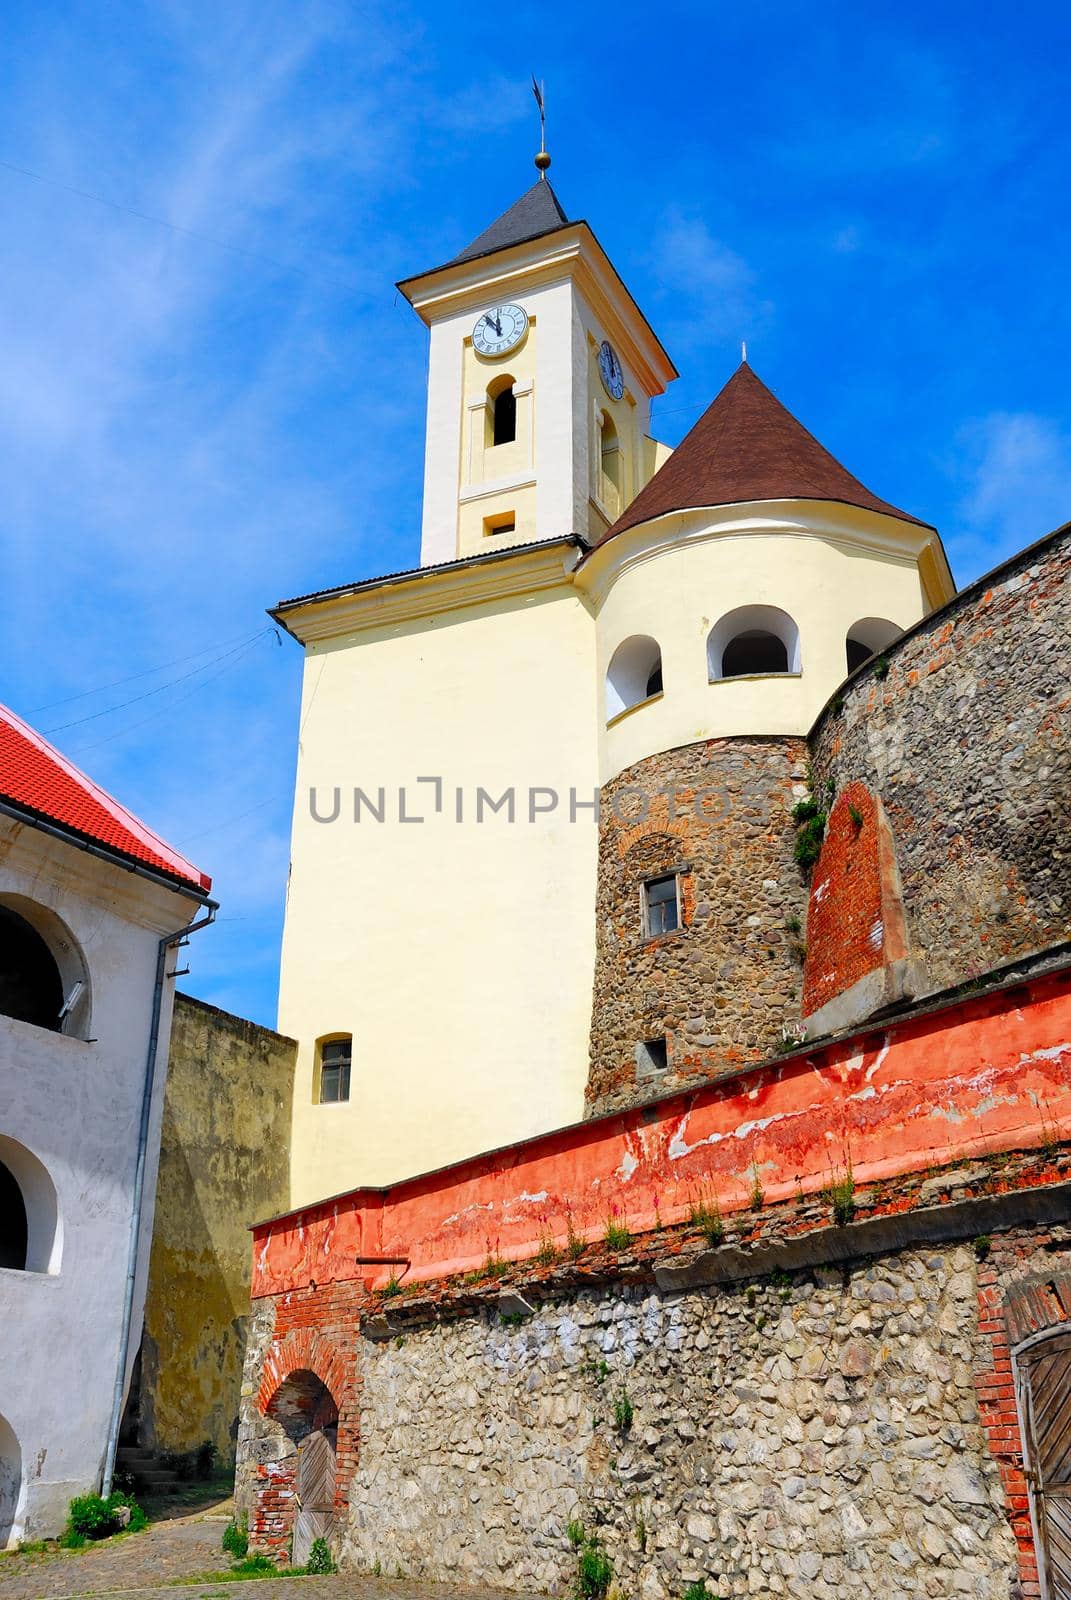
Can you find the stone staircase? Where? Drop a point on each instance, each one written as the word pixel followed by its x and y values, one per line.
pixel 146 1467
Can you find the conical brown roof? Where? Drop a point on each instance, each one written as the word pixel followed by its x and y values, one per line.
pixel 747 446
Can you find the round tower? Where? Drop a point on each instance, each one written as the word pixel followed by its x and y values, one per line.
pixel 749 577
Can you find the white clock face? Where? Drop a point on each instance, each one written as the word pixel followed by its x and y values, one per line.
pixel 611 371
pixel 500 330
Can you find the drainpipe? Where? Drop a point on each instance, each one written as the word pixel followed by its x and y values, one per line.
pixel 164 946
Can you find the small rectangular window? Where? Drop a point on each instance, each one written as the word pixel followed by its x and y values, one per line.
pixel 652 1058
pixel 503 522
pixel 661 905
pixel 335 1056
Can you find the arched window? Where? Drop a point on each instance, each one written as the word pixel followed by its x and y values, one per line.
pixel 868 637
pixel 13 1226
pixel 634 674
pixel 30 1233
pixel 609 464
pixel 10 1481
pixel 43 979
pixel 502 406
pixel 753 641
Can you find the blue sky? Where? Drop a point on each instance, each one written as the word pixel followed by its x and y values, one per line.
pixel 200 418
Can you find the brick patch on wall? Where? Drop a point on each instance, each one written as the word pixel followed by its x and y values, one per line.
pixel 965 740
pixel 312 1331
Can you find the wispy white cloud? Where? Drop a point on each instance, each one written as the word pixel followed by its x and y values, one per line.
pixel 1015 471
pixel 164 401
pixel 708 292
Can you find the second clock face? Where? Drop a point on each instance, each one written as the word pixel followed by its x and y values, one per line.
pixel 500 330
pixel 610 370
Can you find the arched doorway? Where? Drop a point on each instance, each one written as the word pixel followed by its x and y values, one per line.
pixel 10 1483
pixel 1043 1381
pixel 305 1408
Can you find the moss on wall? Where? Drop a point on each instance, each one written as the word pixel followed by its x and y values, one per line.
pixel 224 1163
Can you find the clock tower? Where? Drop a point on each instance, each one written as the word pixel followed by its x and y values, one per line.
pixel 541 373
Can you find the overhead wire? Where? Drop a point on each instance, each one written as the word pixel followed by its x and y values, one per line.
pixel 176 227
pixel 108 711
pixel 146 672
pixel 230 660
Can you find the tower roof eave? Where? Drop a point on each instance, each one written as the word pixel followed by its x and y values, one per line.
pixel 748 447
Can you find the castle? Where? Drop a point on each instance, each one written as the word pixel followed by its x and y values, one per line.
pixel 594 617
pixel 676 950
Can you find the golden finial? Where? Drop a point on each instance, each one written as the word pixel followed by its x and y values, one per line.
pixel 542 160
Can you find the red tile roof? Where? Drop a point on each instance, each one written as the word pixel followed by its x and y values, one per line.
pixel 748 446
pixel 37 779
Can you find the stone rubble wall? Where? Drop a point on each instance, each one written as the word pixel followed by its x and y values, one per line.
pixel 720 986
pixel 817 1437
pixel 966 740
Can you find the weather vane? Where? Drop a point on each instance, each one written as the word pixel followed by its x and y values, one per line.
pixel 542 160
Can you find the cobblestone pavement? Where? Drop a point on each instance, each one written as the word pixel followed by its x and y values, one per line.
pixel 146 1565
pixel 175 1549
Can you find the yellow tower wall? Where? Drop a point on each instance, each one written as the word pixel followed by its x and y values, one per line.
pixel 826 566
pixel 459 955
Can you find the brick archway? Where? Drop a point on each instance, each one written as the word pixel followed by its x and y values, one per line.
pixel 308 1382
pixel 305 1350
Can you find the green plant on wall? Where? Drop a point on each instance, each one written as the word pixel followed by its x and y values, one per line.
pixel 593 1573
pixel 810 819
pixel 840 1193
pixel 705 1214
pixel 617 1235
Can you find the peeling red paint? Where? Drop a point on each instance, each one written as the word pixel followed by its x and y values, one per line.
pixel 985 1074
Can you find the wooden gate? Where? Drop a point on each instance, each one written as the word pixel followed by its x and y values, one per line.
pixel 315 1492
pixel 1044 1378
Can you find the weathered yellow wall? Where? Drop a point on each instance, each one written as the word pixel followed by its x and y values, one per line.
pixel 224 1163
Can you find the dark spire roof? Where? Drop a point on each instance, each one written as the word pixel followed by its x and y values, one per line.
pixel 748 446
pixel 538 211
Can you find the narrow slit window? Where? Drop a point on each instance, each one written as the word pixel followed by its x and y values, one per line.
pixel 661 905
pixel 335 1058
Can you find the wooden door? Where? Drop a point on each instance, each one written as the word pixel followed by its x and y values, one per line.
pixel 315 1517
pixel 1044 1372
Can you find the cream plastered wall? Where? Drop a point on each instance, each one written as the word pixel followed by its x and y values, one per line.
pixel 459 955
pixel 540 489
pixel 549 479
pixel 497 481
pixel 595 507
pixel 826 565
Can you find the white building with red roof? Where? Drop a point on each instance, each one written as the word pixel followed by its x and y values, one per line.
pixel 92 907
